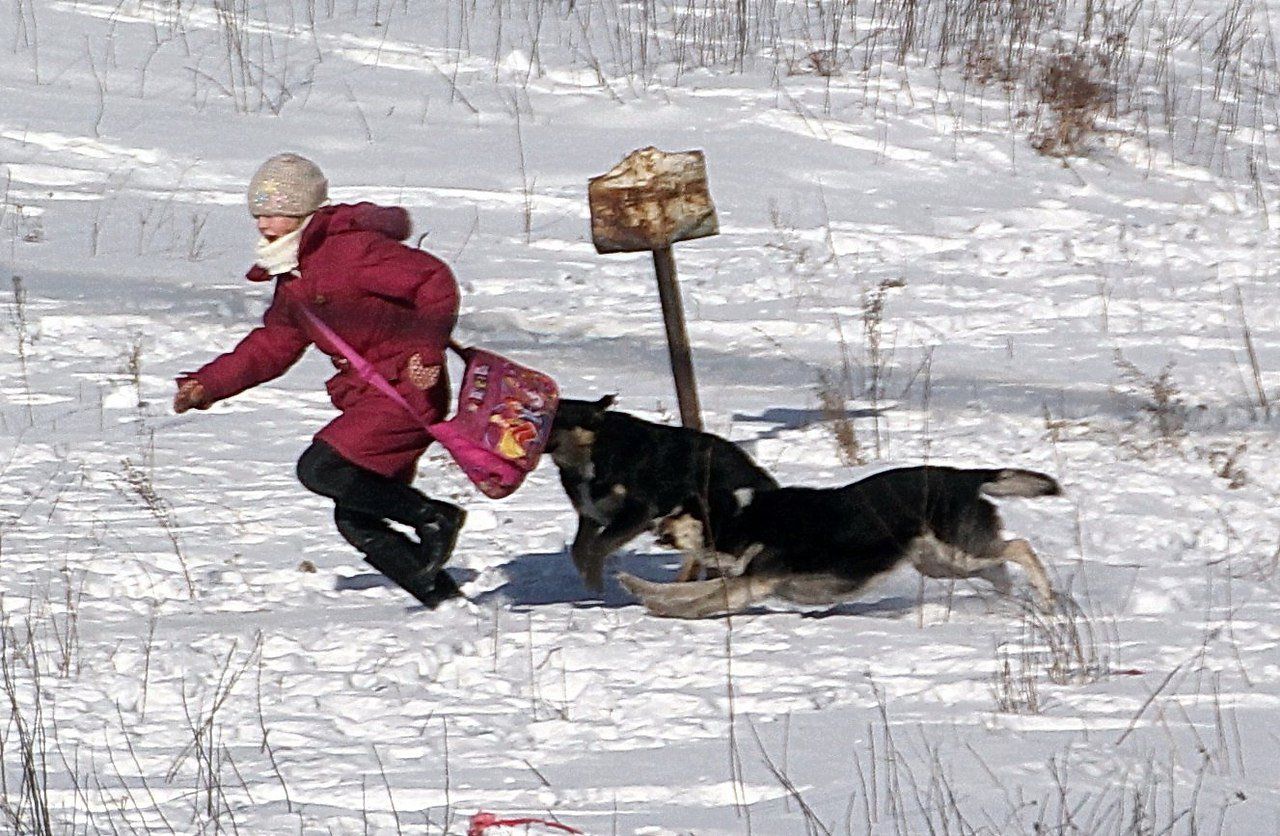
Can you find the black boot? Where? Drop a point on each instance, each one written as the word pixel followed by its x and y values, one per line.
pixel 429 586
pixel 438 533
pixel 396 556
pixel 365 500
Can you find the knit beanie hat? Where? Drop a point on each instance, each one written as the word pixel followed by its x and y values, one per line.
pixel 288 185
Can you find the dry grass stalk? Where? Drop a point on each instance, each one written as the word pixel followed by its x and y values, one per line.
pixel 1071 98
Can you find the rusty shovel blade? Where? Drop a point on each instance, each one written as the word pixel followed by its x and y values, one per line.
pixel 651 200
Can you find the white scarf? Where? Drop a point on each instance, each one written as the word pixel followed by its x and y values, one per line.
pixel 281 255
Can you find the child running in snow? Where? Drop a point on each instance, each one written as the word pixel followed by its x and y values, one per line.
pixel 396 306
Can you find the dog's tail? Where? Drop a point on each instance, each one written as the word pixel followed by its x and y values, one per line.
pixel 1014 482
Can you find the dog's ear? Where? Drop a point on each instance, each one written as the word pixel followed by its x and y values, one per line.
pixel 605 402
pixel 577 413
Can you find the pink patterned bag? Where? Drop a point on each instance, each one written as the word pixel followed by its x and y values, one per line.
pixel 503 420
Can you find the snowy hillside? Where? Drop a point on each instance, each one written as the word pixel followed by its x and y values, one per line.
pixel 901 276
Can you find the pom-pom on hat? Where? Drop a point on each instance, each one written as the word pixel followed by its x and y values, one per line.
pixel 288 185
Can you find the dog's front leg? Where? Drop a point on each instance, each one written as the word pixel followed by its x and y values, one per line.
pixel 632 517
pixel 1020 552
pixel 691 565
pixel 585 551
pixel 593 543
pixel 685 531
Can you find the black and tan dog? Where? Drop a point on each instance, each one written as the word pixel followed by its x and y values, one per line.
pixel 823 545
pixel 623 474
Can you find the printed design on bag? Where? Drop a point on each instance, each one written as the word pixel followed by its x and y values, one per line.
pixel 519 416
pixel 421 376
pixel 503 422
pixel 477 386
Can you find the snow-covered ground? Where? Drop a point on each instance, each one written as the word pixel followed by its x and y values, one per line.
pixel 887 231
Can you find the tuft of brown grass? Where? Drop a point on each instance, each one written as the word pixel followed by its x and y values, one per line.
pixel 1071 97
pixel 1165 404
pixel 835 415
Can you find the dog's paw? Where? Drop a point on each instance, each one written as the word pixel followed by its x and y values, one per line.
pixel 590 566
pixel 593 579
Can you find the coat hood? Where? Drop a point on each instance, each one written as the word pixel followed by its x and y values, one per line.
pixel 390 221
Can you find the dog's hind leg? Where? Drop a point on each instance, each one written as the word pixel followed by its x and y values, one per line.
pixel 1020 552
pixel 700 599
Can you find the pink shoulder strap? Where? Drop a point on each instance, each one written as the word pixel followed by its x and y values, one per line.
pixel 363 367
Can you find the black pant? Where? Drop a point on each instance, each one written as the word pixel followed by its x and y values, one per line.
pixel 363 503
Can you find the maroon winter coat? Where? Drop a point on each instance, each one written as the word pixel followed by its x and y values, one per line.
pixel 393 304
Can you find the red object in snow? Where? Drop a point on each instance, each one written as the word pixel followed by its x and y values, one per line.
pixel 481 822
